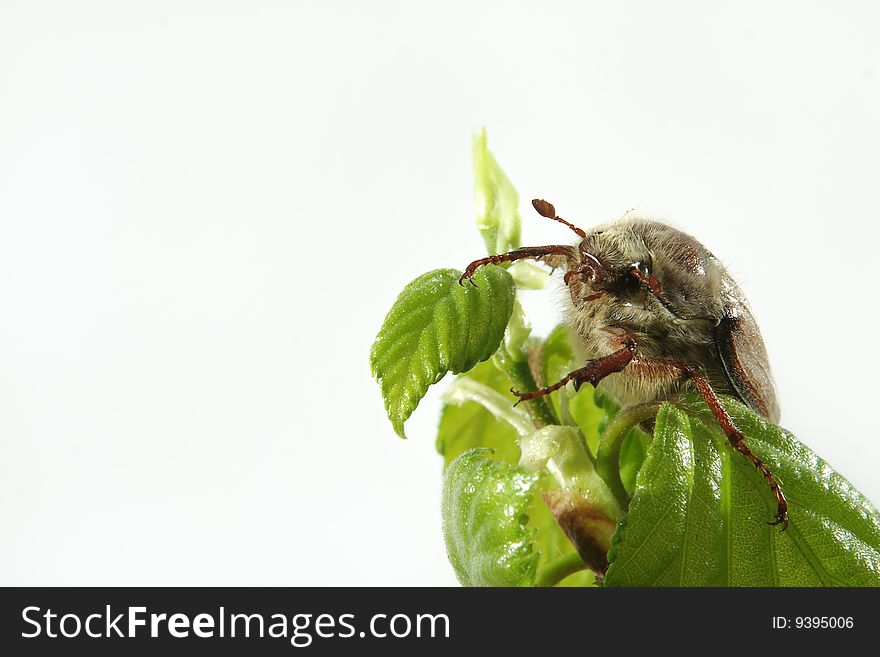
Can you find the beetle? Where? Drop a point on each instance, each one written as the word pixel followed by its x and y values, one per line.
pixel 653 307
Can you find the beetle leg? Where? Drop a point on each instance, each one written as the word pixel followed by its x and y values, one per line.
pixel 737 439
pixel 594 371
pixel 537 252
pixel 734 435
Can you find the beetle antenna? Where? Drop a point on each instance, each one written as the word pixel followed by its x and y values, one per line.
pixel 546 209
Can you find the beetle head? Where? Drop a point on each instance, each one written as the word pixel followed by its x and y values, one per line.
pixel 647 264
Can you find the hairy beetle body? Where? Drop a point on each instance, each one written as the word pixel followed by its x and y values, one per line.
pixel 654 313
pixel 678 320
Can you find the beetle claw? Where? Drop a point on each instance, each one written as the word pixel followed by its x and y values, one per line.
pixel 781 519
pixel 469 275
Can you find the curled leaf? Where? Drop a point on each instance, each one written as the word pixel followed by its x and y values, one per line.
pixel 485 524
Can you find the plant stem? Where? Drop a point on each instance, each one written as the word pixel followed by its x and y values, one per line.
pixel 520 375
pixel 559 569
pixel 467 390
pixel 608 455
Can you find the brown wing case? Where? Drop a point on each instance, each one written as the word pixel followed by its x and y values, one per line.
pixel 744 356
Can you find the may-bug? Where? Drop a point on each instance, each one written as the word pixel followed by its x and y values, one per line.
pixel 654 308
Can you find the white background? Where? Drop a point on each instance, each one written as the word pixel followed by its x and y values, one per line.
pixel 206 210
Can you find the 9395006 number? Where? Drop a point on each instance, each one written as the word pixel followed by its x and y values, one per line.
pixel 813 622
pixel 823 622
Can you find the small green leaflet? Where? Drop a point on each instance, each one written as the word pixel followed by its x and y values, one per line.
pixel 496 199
pixel 700 511
pixel 438 326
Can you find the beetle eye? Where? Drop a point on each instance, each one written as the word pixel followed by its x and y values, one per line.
pixel 632 280
pixel 641 273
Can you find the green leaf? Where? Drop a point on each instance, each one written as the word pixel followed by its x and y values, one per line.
pixel 700 511
pixel 465 422
pixel 485 521
pixel 496 199
pixel 438 326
